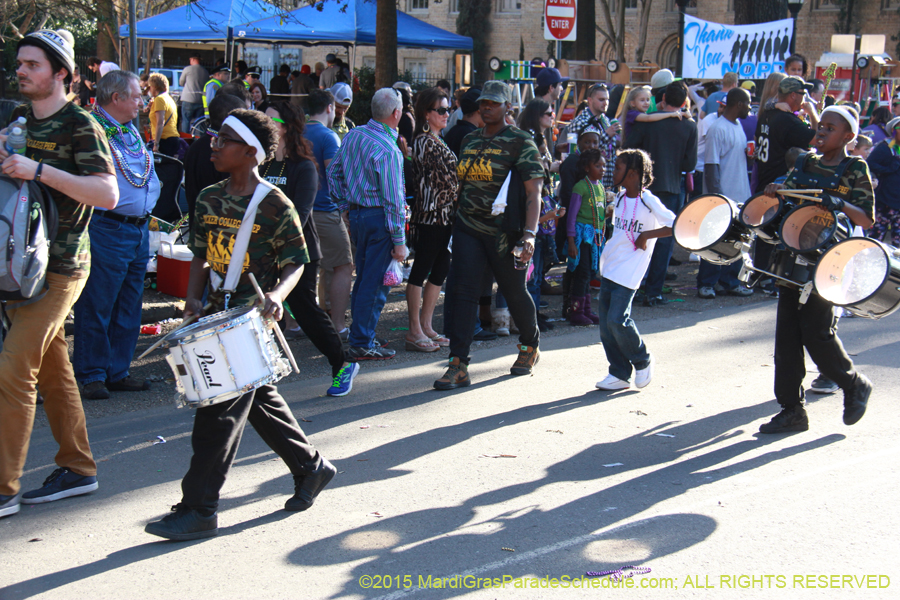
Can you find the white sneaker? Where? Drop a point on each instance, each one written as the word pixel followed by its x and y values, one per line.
pixel 500 321
pixel 642 377
pixel 612 383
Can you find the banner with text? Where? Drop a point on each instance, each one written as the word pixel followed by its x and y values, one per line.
pixel 752 51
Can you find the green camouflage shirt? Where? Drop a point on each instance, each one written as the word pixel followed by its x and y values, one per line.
pixel 480 180
pixel 855 185
pixel 73 142
pixel 276 240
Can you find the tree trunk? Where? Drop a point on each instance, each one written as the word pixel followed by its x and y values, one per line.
pixel 386 44
pixel 643 21
pixel 620 31
pixel 106 15
pixel 747 12
pixel 586 40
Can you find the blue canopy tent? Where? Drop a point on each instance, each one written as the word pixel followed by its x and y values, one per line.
pixel 201 21
pixel 351 25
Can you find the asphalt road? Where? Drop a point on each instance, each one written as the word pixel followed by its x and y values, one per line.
pixel 512 478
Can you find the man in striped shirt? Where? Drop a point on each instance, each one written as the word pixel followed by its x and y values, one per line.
pixel 366 178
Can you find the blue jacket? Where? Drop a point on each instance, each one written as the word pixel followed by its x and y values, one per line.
pixel 885 166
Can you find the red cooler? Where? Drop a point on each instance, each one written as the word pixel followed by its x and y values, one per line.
pixel 173 269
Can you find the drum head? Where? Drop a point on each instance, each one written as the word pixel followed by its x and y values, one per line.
pixel 852 271
pixel 760 210
pixel 704 221
pixel 807 228
pixel 211 322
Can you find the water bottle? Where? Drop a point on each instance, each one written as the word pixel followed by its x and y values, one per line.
pixel 15 140
pixel 517 251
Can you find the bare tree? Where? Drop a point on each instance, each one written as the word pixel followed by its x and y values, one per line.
pixel 614 16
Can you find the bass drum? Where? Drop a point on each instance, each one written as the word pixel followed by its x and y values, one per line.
pixel 708 226
pixel 762 214
pixel 862 275
pixel 811 230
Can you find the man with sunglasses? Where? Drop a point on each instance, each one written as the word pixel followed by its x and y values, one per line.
pixel 595 116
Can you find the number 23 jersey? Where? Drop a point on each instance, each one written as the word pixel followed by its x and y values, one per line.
pixel 777 132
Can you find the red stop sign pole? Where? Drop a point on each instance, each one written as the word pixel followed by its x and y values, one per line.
pixel 560 18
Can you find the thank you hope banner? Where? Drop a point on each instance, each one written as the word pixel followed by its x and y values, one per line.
pixel 752 51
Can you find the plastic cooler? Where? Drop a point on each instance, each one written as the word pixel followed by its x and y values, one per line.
pixel 173 269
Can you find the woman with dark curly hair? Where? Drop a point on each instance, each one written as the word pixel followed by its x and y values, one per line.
pixel 877 128
pixel 433 189
pixel 293 170
pixel 275 254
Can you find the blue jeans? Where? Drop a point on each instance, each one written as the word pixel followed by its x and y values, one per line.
pixel 662 252
pixel 189 112
pixel 709 275
pixel 373 256
pixel 621 339
pixel 108 313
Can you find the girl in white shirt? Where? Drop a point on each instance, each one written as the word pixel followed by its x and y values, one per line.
pixel 638 219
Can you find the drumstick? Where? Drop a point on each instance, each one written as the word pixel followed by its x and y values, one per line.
pixel 184 323
pixel 278 333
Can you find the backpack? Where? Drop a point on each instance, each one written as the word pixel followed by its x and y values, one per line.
pixel 28 225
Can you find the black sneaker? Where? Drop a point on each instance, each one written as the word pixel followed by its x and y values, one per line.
pixel 307 487
pixel 62 483
pixel 374 353
pixel 485 335
pixel 789 419
pixel 183 524
pixel 823 385
pixel 9 505
pixel 651 301
pixel 128 384
pixel 855 400
pixel 95 390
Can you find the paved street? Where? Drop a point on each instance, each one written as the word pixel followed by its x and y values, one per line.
pixel 512 478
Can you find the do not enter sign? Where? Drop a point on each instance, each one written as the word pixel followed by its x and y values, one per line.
pixel 560 17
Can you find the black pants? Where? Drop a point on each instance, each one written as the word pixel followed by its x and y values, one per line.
pixel 581 276
pixel 472 255
pixel 432 254
pixel 314 321
pixel 813 326
pixel 217 435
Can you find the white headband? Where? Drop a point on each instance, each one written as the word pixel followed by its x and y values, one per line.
pixel 847 115
pixel 246 135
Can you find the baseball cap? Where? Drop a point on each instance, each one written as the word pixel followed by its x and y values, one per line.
pixel 60 43
pixel 469 101
pixel 494 90
pixel 549 76
pixel 793 84
pixel 330 57
pixel 661 79
pixel 342 93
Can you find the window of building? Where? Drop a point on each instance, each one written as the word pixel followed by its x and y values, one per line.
pixel 827 5
pixel 671 6
pixel 413 5
pixel 454 6
pixel 369 61
pixel 629 5
pixel 418 68
pixel 509 6
pixel 890 4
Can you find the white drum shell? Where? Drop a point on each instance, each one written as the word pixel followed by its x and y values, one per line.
pixel 224 356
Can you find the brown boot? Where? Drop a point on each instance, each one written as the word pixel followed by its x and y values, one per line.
pixel 528 357
pixel 457 376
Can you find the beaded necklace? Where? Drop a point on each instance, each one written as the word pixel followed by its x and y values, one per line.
pixel 594 208
pixel 629 230
pixel 269 168
pixel 120 146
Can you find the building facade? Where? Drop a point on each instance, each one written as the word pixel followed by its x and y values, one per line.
pixel 519 23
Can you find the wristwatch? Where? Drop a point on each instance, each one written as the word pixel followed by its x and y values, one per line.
pixel 533 234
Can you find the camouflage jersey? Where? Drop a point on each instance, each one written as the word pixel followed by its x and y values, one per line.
pixel 71 141
pixel 854 187
pixel 275 242
pixel 484 163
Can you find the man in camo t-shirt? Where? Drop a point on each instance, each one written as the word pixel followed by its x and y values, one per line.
pixel 66 151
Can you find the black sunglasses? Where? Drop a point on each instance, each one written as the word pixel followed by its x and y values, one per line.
pixel 443 110
pixel 549 113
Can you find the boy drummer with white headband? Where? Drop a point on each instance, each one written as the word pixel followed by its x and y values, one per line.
pixel 847 188
pixel 274 251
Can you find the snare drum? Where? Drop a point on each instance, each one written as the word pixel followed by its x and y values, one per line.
pixel 708 226
pixel 810 229
pixel 862 275
pixel 792 267
pixel 223 356
pixel 762 214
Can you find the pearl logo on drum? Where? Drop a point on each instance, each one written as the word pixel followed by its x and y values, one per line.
pixel 204 359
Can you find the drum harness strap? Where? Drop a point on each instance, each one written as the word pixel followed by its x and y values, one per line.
pixel 829 183
pixel 241 242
